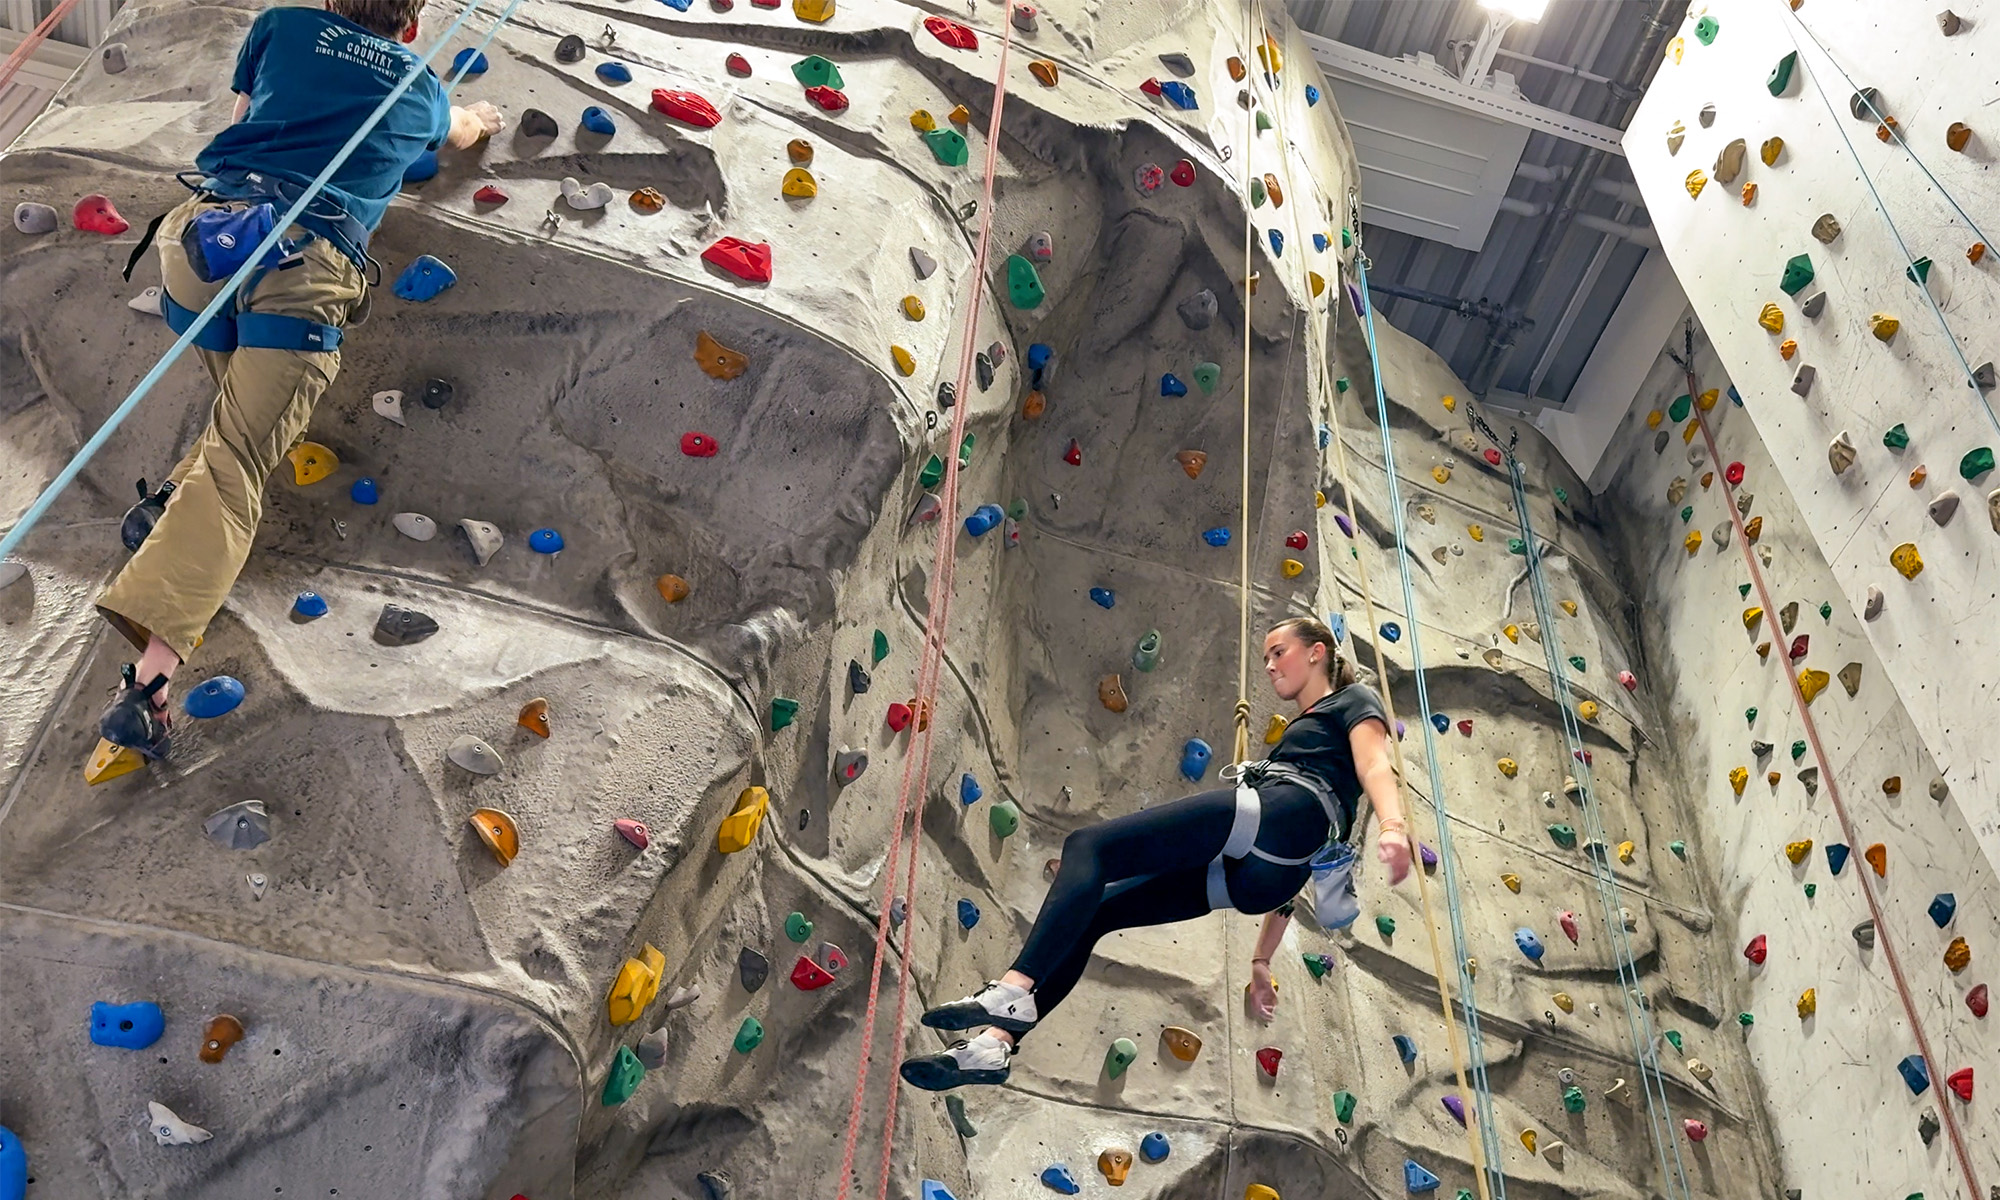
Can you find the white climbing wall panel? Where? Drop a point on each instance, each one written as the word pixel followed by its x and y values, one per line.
pixel 1935 635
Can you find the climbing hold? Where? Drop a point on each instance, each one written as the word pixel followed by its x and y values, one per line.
pixel 126 1026
pixel 1836 856
pixel 1122 1054
pixel 1111 693
pixel 1386 926
pixel 749 1035
pixel 214 696
pixel 749 261
pixel 1877 857
pixel 1697 179
pixel 1977 1000
pixel 968 913
pixel 1529 944
pixel 1840 453
pixel 244 825
pixel 740 826
pixel 633 831
pixel 1976 462
pixel 96 214
pixel 1391 632
pixel 1194 759
pixel 473 755
pixel 1512 881
pixel 1915 1073
pixel 687 107
pixel 399 626
pixel 1573 1098
pixel 1563 835
pixel 1943 905
pixel 170 1130
pixel 1416 1178
pixel 1883 326
pixel 423 279
pixel 1056 1176
pixel 1957 955
pixel 495 828
pixel 1808 1003
pixel 752 968
pixel 1729 163
pixel 1798 273
pixel 1797 851
pixel 1906 560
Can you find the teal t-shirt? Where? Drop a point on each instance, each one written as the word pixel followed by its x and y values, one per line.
pixel 313 78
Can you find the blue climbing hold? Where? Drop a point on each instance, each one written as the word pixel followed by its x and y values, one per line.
pixel 1103 597
pixel 614 72
pixel 1942 907
pixel 425 167
pixel 1277 244
pixel 1039 354
pixel 364 491
pixel 1178 94
pixel 1530 945
pixel 1416 1178
pixel 933 1190
pixel 596 120
pixel 969 790
pixel 545 541
pixel 968 913
pixel 1057 1175
pixel 1171 385
pixel 13 1166
pixel 678 5
pixel 1337 623
pixel 214 696
pixel 1325 437
pixel 1154 1148
pixel 1320 242
pixel 424 279
pixel 1406 1048
pixel 1391 632
pixel 1915 1073
pixel 1836 856
pixel 984 518
pixel 1735 397
pixel 127 1026
pixel 1312 95
pixel 468 62
pixel 1194 759
pixel 309 605
pixel 1441 722
pixel 1218 536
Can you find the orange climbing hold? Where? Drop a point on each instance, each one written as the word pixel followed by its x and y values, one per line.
pixel 1877 856
pixel 535 717
pixel 718 360
pixel 1044 71
pixel 498 831
pixel 1192 461
pixel 1754 529
pixel 1033 405
pixel 1111 693
pixel 673 589
pixel 223 1032
pixel 1957 955
pixel 1183 1044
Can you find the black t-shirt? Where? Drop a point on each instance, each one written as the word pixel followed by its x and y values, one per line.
pixel 1316 741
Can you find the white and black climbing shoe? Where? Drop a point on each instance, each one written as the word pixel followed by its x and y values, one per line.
pixel 984 1059
pixel 133 720
pixel 141 517
pixel 998 1004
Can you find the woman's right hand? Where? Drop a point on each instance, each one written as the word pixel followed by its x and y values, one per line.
pixel 1393 847
pixel 1263 994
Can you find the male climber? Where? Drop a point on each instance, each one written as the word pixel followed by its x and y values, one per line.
pixel 305 81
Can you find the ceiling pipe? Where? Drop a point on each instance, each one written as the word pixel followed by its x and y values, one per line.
pixel 1481 309
pixel 1625 92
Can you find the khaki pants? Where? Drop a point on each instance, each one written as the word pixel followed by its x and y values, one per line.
pixel 180 576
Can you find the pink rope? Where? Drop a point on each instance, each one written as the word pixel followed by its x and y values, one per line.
pixel 26 50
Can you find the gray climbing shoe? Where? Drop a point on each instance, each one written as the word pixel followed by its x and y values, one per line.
pixel 998 1004
pixel 984 1059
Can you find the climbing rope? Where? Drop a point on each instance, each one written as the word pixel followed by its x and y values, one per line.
pixel 1832 785
pixel 1951 339
pixel 1242 753
pixel 1638 1015
pixel 33 42
pixel 916 765
pixel 227 292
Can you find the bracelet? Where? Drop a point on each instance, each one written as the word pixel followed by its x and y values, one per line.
pixel 1393 825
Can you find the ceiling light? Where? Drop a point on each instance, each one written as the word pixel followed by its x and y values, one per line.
pixel 1520 10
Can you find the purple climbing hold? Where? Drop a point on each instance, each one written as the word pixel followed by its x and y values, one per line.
pixel 1456 1107
pixel 1355 298
pixel 1427 856
pixel 1346 526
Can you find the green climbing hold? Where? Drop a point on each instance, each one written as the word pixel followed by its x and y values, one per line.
pixel 1463 1194
pixel 797 927
pixel 1897 437
pixel 1781 75
pixel 1564 836
pixel 1121 1055
pixel 1317 964
pixel 783 712
pixel 1256 192
pixel 1018 509
pixel 1750 716
pixel 1024 286
pixel 626 1072
pixel 749 1035
pixel 1825 611
pixel 1206 376
pixel 1343 1107
pixel 965 451
pixel 1798 750
pixel 1573 1098
pixel 1674 1039
pixel 1687 512
pixel 1706 29
pixel 1743 590
pixel 1811 890
pixel 1342 384
pixel 1562 496
pixel 1004 818
pixel 932 474
pixel 1975 463
pixel 881 645
pixel 1679 409
pixel 1745 1019
pixel 1798 273
pixel 1263 121
pixel 814 71
pixel 1576 661
pixel 1386 926
pixel 1346 237
pixel 1918 272
pixel 948 146
pixel 1680 849
pixel 1517 546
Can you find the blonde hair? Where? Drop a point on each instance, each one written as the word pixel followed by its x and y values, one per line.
pixel 1312 631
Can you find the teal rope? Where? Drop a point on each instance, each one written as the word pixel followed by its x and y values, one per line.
pixel 1638 1018
pixel 1489 1132
pixel 36 511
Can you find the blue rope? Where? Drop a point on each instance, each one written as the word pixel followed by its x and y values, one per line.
pixel 15 536
pixel 1475 1045
pixel 1950 338
pixel 1638 1018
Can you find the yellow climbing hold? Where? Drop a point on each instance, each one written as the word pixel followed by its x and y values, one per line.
pixel 1738 776
pixel 1751 616
pixel 1706 400
pixel 1587 710
pixel 312 462
pixel 1508 767
pixel 1771 149
pixel 1906 560
pixel 922 121
pixel 1275 730
pixel 1654 418
pixel 1512 881
pixel 1797 851
pixel 1697 179
pixel 1689 430
pixel 1258 1191
pixel 1292 568
pixel 1692 542
pixel 1529 1140
pixel 906 363
pixel 1314 281
pixel 1568 606
pixel 812 10
pixel 1627 851
pixel 799 184
pixel 1812 682
pixel 1319 499
pixel 637 983
pixel 1883 326
pixel 740 826
pixel 1808 1003
pixel 1451 403
pixel 1772 318
pixel 1477 531
pixel 913 308
pixel 109 761
pixel 1564 1002
pixel 1441 473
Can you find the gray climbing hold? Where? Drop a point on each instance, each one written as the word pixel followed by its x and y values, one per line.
pixel 1983 377
pixel 483 537
pixel 1840 452
pixel 1803 381
pixel 752 968
pixel 682 997
pixel 471 754
pixel 583 198
pixel 1866 104
pixel 848 765
pixel 1872 606
pixel 1198 311
pixel 570 49
pixel 399 626
pixel 1945 507
pixel 1939 788
pixel 537 124
pixel 652 1050
pixel 1809 777
pixel 415 526
pixel 954 1105
pixel 1864 934
pixel 114 57
pixel 922 263
pixel 244 825
pixel 148 302
pixel 1179 64
pixel 12 571
pixel 1813 305
pixel 715 1185
pixel 1660 442
pixel 30 217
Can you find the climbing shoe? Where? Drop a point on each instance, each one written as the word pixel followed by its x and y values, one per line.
pixel 984 1059
pixel 141 517
pixel 133 720
pixel 998 1004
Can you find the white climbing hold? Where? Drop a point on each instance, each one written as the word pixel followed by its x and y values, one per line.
pixel 652 1050
pixel 682 997
pixel 484 537
pixel 389 405
pixel 577 196
pixel 415 525
pixel 148 302
pixel 170 1130
pixel 474 755
pixel 12 571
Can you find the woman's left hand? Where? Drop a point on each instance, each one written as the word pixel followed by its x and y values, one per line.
pixel 1394 850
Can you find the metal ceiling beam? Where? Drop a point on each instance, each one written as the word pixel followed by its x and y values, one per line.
pixel 1423 78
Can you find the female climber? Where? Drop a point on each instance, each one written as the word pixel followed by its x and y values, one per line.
pixel 1246 847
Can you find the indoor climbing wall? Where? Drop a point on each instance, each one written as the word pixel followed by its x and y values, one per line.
pixel 578 894
pixel 1836 261
pixel 1788 883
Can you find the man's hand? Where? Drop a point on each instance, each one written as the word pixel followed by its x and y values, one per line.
pixel 1393 847
pixel 1263 994
pixel 471 124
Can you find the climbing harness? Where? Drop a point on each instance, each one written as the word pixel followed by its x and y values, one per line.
pixel 226 295
pixel 1242 840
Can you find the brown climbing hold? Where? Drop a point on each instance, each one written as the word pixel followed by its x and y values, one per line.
pixel 1950 23
pixel 1677 487
pixel 1812 683
pixel 1840 453
pixel 1772 778
pixel 1958 135
pixel 1675 136
pixel 1729 163
pixel 800 151
pixel 673 589
pixel 1788 616
pixel 1850 678
pixel 1192 461
pixel 1754 528
pixel 1276 193
pixel 1236 71
pixel 1918 476
pixel 718 360
pixel 1111 693
pixel 1707 478
pixel 1957 955
pixel 648 200
pixel 534 717
pixel 223 1032
pixel 498 831
pixel 1512 881
pixel 1183 1044
pixel 1877 857
pixel 1044 71
pixel 1892 786
pixel 1826 228
pixel 1763 650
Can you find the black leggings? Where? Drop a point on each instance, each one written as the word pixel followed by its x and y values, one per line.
pixel 1151 868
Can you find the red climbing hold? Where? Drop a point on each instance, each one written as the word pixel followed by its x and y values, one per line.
pixel 1696 1131
pixel 1733 473
pixel 1960 1082
pixel 1074 455
pixel 746 260
pixel 1183 173
pixel 1756 950
pixel 1976 1000
pixel 1582 756
pixel 1798 650
pixel 489 195
pixel 95 214
pixel 951 33
pixel 1492 456
pixel 686 106
pixel 899 717
pixel 736 64
pixel 1296 539
pixel 808 975
pixel 766 3
pixel 1465 727
pixel 1267 1060
pixel 633 831
pixel 1567 920
pixel 1152 88
pixel 827 98
pixel 1629 680
pixel 698 445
